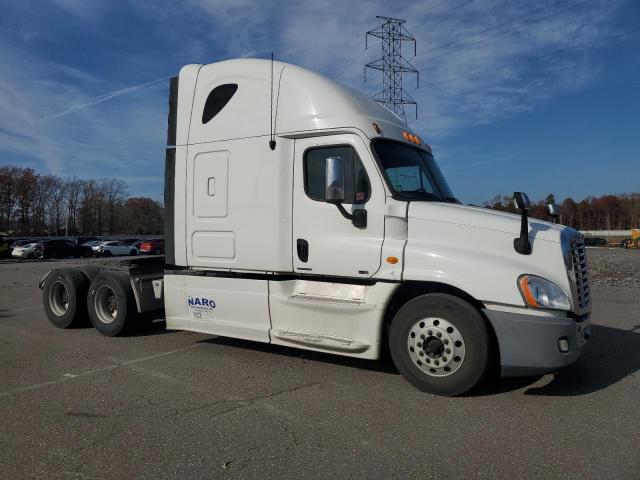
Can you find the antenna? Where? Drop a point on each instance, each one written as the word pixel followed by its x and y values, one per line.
pixel 272 141
pixel 392 33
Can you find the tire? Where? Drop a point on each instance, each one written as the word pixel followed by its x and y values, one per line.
pixel 30 256
pixel 111 304
pixel 457 353
pixel 64 296
pixel 637 242
pixel 133 253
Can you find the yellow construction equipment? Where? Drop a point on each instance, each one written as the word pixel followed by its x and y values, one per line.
pixel 633 241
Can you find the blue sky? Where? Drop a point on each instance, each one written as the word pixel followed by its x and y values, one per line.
pixel 515 95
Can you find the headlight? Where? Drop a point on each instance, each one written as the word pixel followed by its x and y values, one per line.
pixel 540 293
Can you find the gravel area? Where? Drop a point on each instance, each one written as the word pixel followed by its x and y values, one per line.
pixel 614 267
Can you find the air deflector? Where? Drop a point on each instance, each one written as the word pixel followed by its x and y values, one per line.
pixel 217 99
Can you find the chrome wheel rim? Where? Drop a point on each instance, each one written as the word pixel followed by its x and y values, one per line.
pixel 59 298
pixel 106 304
pixel 436 346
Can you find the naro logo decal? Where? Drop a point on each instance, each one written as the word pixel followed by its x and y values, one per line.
pixel 201 302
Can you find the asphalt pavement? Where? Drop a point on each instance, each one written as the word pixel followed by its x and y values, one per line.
pixel 161 404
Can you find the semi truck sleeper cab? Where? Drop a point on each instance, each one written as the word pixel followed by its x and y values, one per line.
pixel 322 221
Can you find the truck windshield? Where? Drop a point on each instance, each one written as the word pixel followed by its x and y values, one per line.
pixel 412 173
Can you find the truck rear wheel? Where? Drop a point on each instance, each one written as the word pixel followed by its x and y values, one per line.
pixel 64 294
pixel 440 344
pixel 111 304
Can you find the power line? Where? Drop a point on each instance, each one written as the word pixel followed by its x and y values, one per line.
pixel 351 62
pixel 537 57
pixel 444 14
pixel 493 27
pixel 574 94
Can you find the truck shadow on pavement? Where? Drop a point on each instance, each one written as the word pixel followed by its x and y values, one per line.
pixel 385 365
pixel 611 355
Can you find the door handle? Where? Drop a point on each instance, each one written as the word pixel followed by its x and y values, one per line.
pixel 303 250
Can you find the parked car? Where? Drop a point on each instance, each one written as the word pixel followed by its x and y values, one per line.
pixel 112 248
pixel 20 242
pixel 152 247
pixel 92 243
pixel 129 241
pixel 24 251
pixel 60 249
pixel 84 240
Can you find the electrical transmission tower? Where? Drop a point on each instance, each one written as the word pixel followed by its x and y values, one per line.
pixel 392 64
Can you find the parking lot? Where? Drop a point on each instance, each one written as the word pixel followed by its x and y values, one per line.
pixel 163 404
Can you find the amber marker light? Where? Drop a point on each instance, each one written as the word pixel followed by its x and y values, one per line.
pixel 392 260
pixel 525 288
pixel 409 137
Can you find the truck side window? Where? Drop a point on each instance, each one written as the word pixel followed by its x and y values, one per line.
pixel 356 182
pixel 217 99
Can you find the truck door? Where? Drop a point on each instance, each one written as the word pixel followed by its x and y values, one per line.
pixel 324 241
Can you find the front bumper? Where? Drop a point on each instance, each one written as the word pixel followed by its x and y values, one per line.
pixel 529 344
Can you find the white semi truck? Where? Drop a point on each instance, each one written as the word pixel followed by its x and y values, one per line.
pixel 302 213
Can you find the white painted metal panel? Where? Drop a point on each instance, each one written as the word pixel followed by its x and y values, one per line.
pixel 230 307
pixel 336 246
pixel 472 249
pixel 329 317
pixel 246 224
pixel 213 245
pixel 210 184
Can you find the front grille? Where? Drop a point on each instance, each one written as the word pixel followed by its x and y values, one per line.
pixel 581 272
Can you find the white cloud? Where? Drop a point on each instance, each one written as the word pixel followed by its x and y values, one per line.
pixel 479 63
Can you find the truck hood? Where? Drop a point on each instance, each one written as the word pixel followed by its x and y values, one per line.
pixel 482 218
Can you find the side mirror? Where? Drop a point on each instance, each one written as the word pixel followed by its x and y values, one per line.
pixel 521 201
pixel 334 182
pixel 553 210
pixel 359 219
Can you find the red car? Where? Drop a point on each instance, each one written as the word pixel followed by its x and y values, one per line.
pixel 152 247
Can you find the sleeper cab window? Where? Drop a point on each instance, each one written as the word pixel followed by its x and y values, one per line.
pixel 356 182
pixel 217 99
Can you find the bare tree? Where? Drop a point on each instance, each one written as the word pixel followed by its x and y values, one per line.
pixel 8 195
pixel 114 190
pixel 73 193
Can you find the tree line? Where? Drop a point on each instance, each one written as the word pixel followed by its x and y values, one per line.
pixel 35 204
pixel 607 212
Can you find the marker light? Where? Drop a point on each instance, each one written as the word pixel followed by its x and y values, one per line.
pixel 540 293
pixel 392 260
pixel 376 127
pixel 409 137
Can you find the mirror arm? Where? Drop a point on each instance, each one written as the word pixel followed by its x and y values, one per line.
pixel 343 211
pixel 522 244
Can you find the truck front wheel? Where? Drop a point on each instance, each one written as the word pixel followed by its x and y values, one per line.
pixel 440 344
pixel 111 304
